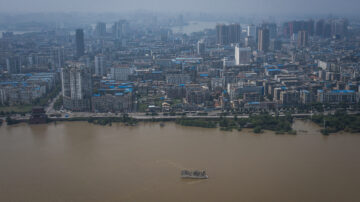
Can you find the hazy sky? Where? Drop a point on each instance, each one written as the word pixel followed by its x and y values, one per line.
pixel 240 6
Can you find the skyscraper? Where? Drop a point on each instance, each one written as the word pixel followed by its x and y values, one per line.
pixel 80 47
pixel 263 39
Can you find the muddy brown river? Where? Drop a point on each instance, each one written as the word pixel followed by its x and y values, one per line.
pixel 78 161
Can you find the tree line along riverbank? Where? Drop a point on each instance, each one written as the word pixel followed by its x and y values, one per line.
pixel 340 121
pixel 258 123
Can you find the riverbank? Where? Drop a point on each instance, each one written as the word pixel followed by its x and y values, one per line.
pixel 258 123
pixel 340 121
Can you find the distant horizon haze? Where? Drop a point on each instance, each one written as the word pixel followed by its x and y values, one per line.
pixel 239 7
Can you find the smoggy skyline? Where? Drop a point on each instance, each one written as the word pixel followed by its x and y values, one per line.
pixel 274 7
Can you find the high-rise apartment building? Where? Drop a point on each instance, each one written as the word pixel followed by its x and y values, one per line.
pixel 272 27
pixel 319 28
pixel 275 44
pixel 58 57
pixel 120 29
pixel 339 27
pixel 201 47
pixel 310 27
pixel 121 73
pixel 242 55
pixel 234 33
pixel 251 31
pixel 293 27
pixel 100 65
pixel 222 34
pixel 226 34
pixel 13 65
pixel 79 40
pixel 100 29
pixel 250 42
pixel 303 39
pixel 76 87
pixel 263 39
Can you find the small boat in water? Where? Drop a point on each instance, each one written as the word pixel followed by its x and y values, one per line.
pixel 162 124
pixel 197 174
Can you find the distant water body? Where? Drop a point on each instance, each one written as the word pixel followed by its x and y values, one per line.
pixel 15 32
pixel 78 161
pixel 194 26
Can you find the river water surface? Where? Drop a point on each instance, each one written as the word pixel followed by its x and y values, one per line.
pixel 77 161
